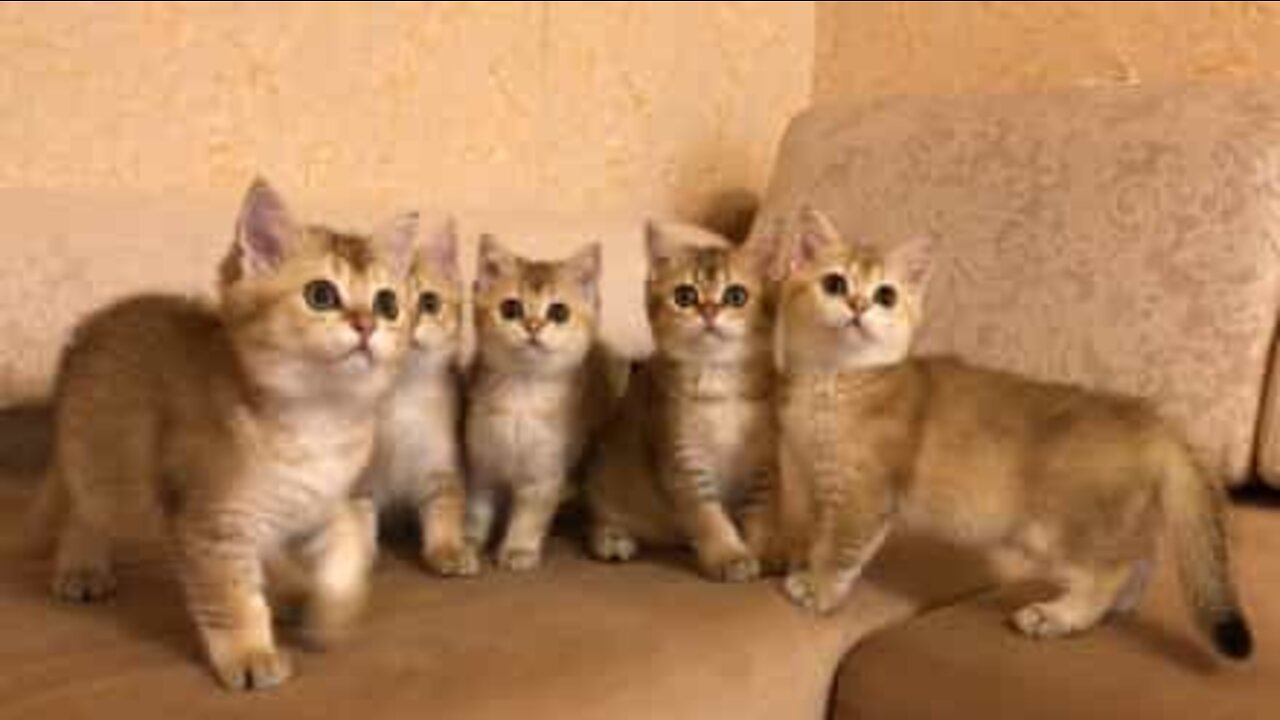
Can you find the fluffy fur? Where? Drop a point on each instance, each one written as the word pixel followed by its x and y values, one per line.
pixel 537 392
pixel 1072 480
pixel 238 430
pixel 692 459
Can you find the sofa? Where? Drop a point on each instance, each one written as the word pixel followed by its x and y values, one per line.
pixel 1121 238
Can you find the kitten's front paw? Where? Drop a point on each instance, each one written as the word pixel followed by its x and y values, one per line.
pixel 253 670
pixel 453 560
pixel 732 568
pixel 1042 621
pixel 613 545
pixel 84 585
pixel 803 589
pixel 519 559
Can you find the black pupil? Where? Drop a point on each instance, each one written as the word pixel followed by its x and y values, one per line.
pixel 735 295
pixel 686 295
pixel 429 303
pixel 558 313
pixel 386 305
pixel 511 309
pixel 886 296
pixel 321 295
pixel 834 284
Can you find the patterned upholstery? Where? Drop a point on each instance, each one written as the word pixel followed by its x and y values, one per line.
pixel 1124 239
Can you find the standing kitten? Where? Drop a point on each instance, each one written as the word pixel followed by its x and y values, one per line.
pixel 417 462
pixel 694 449
pixel 537 391
pixel 238 430
pixel 1075 481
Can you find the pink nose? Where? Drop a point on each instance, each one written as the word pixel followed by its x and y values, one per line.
pixel 708 312
pixel 362 323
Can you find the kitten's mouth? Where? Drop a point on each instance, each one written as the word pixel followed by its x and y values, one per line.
pixel 359 352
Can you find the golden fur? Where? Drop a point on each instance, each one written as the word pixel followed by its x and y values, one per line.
pixel 692 458
pixel 238 430
pixel 1072 480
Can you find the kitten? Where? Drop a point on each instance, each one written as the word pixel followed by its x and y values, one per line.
pixel 417 461
pixel 692 456
pixel 238 429
pixel 538 390
pixel 1075 481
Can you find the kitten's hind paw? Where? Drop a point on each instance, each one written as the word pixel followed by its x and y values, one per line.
pixel 613 545
pixel 84 585
pixel 803 589
pixel 453 560
pixel 519 559
pixel 254 670
pixel 1042 621
pixel 734 568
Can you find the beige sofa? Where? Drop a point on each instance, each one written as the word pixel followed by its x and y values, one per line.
pixel 1124 239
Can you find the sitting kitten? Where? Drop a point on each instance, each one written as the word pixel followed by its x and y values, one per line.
pixel 694 448
pixel 417 461
pixel 1073 480
pixel 239 430
pixel 538 390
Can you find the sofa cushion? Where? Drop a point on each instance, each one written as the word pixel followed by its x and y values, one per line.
pixel 963 661
pixel 1124 239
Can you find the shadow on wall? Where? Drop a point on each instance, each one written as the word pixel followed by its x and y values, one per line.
pixel 26 433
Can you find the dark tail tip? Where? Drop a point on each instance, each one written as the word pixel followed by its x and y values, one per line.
pixel 1232 637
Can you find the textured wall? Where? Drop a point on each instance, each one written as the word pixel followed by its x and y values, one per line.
pixel 880 48
pixel 567 106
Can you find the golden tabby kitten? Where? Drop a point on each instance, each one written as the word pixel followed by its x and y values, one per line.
pixel 240 430
pixel 417 461
pixel 1073 480
pixel 692 458
pixel 538 390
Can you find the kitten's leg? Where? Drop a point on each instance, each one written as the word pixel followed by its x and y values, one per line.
pixel 847 536
pixel 442 515
pixel 482 507
pixel 1089 593
pixel 338 559
pixel 722 555
pixel 610 541
pixel 533 506
pixel 82 569
pixel 760 522
pixel 223 579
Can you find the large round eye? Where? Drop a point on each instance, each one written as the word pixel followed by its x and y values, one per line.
pixel 885 296
pixel 735 296
pixel 386 304
pixel 558 313
pixel 685 296
pixel 835 284
pixel 322 295
pixel 511 309
pixel 429 303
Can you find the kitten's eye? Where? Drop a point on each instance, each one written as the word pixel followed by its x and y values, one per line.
pixel 685 296
pixel 835 284
pixel 558 313
pixel 885 296
pixel 511 309
pixel 735 296
pixel 429 303
pixel 386 304
pixel 322 295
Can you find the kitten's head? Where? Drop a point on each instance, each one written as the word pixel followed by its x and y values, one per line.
pixel 708 303
pixel 850 306
pixel 436 297
pixel 313 310
pixel 536 316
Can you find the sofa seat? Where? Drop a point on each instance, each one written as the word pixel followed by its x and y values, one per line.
pixel 962 661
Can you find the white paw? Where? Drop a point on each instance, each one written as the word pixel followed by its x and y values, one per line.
pixel 1042 621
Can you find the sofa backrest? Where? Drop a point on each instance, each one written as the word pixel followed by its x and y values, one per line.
pixel 1124 239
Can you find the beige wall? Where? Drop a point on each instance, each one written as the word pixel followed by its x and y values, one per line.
pixel 576 107
pixel 877 48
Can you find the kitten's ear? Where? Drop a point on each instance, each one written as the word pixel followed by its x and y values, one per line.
pixel 399 237
pixel 439 250
pixel 492 262
pixel 660 248
pixel 912 262
pixel 761 251
pixel 584 267
pixel 265 230
pixel 815 234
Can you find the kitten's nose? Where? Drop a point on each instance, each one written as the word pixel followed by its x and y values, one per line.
pixel 708 311
pixel 362 323
pixel 533 326
pixel 859 304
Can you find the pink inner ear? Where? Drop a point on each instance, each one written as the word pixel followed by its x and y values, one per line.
pixel 913 261
pixel 441 250
pixel 265 229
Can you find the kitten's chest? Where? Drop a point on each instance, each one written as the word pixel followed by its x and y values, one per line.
pixel 524 429
pixel 729 439
pixel 417 436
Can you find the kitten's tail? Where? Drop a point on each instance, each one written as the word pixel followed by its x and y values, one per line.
pixel 1194 509
pixel 47 514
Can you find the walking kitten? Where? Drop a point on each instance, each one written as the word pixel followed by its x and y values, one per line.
pixel 538 390
pixel 238 429
pixel 692 456
pixel 417 460
pixel 1076 481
